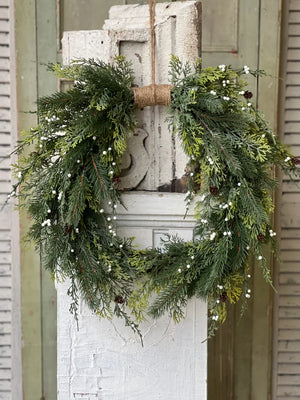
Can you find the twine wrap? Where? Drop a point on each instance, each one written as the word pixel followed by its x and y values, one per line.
pixel 152 95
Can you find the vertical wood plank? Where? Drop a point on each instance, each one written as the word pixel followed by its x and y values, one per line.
pixel 16 383
pixel 258 30
pixel 270 13
pixel 235 360
pixel 85 14
pixel 30 272
pixel 46 84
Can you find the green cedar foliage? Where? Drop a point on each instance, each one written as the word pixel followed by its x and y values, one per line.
pixel 69 187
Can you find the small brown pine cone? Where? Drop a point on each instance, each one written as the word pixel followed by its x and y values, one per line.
pixel 214 190
pixel 223 297
pixel 116 180
pixel 261 237
pixel 248 94
pixel 295 160
pixel 119 299
pixel 68 229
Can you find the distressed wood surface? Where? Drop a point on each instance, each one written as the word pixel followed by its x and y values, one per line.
pixel 162 160
pixel 126 369
pixel 242 369
pixel 25 24
pixel 6 140
pixel 177 32
pixel 286 365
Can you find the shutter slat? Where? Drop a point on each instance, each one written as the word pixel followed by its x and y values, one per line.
pixel 288 357
pixel 289 301
pixel 293 66
pixel 4 50
pixel 4 12
pixel 293 103
pixel 5 327
pixel 289 244
pixel 4 76
pixel 289 369
pixel 294 5
pixel 5 294
pixel 292 115
pixel 293 78
pixel 294 29
pixel 292 127
pixel 4 37
pixel 289 279
pixel 288 334
pixel 5 385
pixel 289 266
pixel 288 391
pixel 294 42
pixel 292 91
pixel 293 54
pixel 5 340
pixel 5 351
pixel 289 345
pixel 5 88
pixel 4 25
pixel 294 17
pixel 288 312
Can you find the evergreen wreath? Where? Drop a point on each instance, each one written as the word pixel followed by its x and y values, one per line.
pixel 71 177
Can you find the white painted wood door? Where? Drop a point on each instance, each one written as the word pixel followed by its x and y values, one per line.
pixel 103 359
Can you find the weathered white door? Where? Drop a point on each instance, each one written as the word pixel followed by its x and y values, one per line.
pixel 104 359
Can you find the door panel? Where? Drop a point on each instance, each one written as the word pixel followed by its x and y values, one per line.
pixel 104 358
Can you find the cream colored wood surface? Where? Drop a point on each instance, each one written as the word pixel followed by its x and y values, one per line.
pixel 10 322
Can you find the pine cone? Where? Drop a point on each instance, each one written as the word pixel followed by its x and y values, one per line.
pixel 248 94
pixel 295 160
pixel 261 237
pixel 223 297
pixel 116 179
pixel 68 229
pixel 119 299
pixel 213 190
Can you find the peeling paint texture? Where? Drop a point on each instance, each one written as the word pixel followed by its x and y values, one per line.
pixel 103 359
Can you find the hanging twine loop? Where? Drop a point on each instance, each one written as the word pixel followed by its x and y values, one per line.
pixel 153 94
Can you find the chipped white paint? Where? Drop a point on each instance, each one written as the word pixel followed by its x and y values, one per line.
pixel 85 44
pixel 126 32
pixel 103 359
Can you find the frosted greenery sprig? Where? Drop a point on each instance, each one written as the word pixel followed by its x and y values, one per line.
pixel 68 183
